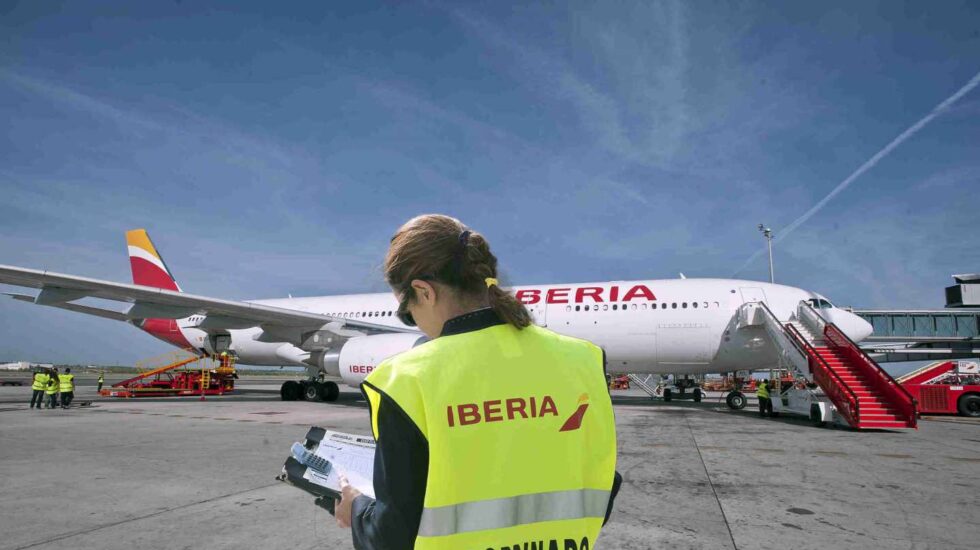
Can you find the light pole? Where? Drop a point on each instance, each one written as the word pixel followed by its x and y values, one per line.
pixel 768 234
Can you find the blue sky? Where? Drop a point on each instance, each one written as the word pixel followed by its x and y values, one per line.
pixel 274 148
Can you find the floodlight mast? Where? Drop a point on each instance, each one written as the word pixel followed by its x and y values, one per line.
pixel 767 232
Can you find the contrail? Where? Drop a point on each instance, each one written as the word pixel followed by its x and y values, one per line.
pixel 869 164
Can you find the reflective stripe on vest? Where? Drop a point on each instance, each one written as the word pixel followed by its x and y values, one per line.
pixel 510 512
pixel 521 436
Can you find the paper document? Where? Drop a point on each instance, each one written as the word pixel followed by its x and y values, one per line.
pixel 325 456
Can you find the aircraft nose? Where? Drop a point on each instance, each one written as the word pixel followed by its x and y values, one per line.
pixel 853 326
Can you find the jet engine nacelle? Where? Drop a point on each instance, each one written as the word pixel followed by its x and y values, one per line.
pixel 359 356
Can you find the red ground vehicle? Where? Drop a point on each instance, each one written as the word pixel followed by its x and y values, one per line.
pixel 946 387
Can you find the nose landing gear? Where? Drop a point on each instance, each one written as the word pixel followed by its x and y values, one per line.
pixel 735 400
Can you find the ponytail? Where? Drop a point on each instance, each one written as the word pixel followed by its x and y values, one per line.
pixel 508 307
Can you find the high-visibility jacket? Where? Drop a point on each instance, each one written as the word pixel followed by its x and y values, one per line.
pixel 101 379
pixel 67 382
pixel 762 391
pixel 52 386
pixel 40 381
pixel 520 431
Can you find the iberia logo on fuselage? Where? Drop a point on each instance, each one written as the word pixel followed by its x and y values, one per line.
pixel 514 408
pixel 584 294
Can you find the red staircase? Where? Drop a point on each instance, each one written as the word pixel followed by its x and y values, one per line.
pixel 882 401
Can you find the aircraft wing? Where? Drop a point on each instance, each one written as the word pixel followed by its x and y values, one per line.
pixel 59 290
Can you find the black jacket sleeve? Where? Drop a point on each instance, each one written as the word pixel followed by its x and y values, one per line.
pixel 401 466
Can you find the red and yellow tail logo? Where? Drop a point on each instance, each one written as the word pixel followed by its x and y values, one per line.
pixel 148 266
pixel 574 422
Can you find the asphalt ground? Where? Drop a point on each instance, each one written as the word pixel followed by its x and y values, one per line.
pixel 185 473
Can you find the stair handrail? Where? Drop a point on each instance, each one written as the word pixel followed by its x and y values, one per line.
pixel 909 403
pixel 775 320
pixel 851 410
pixel 847 403
pixel 809 312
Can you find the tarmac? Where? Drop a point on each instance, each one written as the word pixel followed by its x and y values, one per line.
pixel 186 473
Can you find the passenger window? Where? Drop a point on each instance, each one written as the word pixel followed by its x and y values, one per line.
pixel 673 305
pixel 663 305
pixel 684 305
pixel 605 307
pixel 706 304
pixel 615 307
pixel 694 305
pixel 568 308
pixel 586 308
pixel 578 308
pixel 634 307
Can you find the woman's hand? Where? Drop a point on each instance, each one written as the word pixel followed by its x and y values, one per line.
pixel 342 509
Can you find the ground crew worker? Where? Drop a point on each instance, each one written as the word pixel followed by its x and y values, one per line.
pixel 762 393
pixel 67 387
pixel 101 381
pixel 51 390
pixel 493 433
pixel 39 385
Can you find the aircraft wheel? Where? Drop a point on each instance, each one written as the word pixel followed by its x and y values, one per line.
pixel 969 405
pixel 697 395
pixel 735 400
pixel 290 390
pixel 668 394
pixel 330 391
pixel 815 417
pixel 312 392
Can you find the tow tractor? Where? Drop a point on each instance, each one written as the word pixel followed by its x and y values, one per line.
pixel 946 387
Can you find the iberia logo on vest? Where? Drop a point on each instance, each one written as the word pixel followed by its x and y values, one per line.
pixel 514 408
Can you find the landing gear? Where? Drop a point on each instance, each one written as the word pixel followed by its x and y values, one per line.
pixel 309 390
pixel 330 391
pixel 312 391
pixel 735 400
pixel 291 390
pixel 668 394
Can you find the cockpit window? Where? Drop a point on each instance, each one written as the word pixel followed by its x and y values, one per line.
pixel 820 303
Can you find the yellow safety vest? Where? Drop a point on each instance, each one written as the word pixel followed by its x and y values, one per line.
pixel 762 391
pixel 521 434
pixel 67 382
pixel 41 381
pixel 52 386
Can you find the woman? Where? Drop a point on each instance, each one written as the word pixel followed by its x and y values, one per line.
pixel 493 433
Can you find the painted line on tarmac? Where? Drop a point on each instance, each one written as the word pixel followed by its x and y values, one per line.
pixel 711 484
pixel 138 518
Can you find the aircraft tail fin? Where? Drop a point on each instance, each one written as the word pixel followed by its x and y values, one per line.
pixel 148 266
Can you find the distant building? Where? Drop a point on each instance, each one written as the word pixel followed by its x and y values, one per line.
pixel 966 291
pixel 24 365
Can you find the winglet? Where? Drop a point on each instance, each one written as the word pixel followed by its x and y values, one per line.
pixel 148 266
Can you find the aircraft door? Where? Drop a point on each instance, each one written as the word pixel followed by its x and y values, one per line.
pixel 539 313
pixel 752 294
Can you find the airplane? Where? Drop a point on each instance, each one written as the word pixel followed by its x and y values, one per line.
pixel 683 326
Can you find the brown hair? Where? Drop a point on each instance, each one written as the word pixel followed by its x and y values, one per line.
pixel 440 248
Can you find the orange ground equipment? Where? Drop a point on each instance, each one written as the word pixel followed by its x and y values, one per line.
pixel 178 374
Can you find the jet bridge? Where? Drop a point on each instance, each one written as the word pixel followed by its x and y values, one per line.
pixel 922 334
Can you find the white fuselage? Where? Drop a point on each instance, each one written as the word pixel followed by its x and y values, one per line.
pixel 682 326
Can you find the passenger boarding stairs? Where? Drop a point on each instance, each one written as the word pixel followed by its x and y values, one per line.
pixel 863 394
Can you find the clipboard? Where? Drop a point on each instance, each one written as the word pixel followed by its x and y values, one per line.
pixel 308 468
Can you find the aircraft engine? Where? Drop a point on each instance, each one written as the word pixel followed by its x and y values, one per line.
pixel 359 356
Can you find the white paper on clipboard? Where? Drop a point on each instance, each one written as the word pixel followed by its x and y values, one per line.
pixel 348 454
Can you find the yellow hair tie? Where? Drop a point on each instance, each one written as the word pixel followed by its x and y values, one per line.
pixel 491 282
